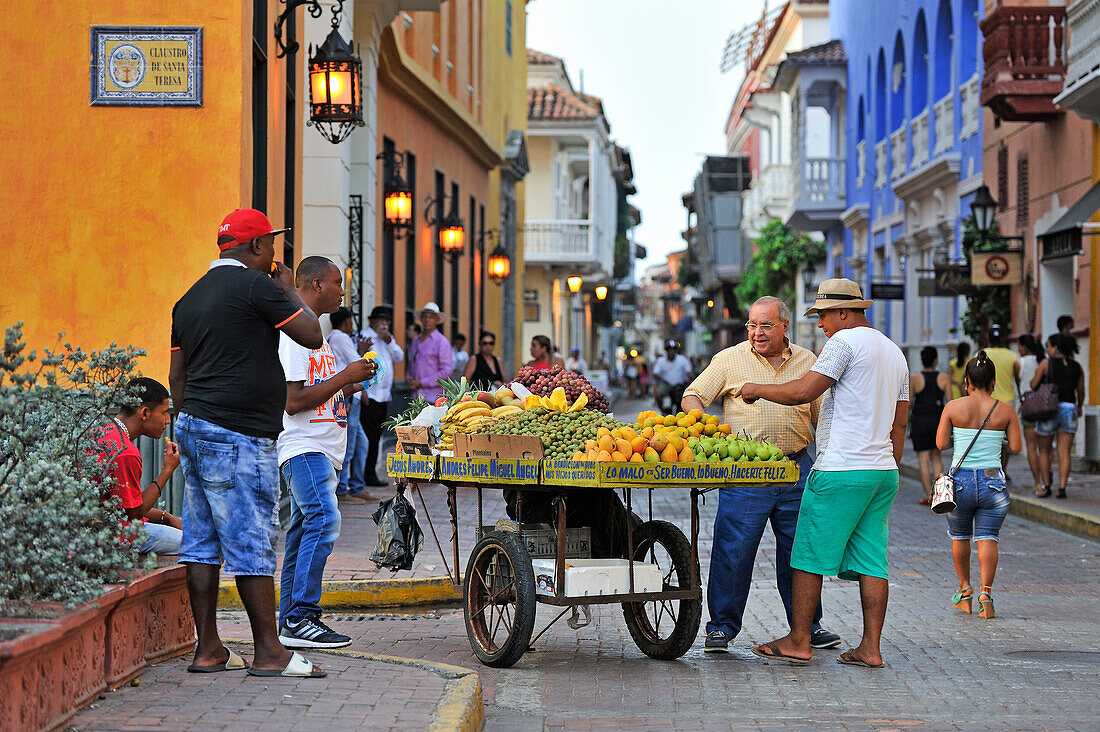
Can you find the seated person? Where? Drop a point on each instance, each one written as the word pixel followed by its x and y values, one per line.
pixel 600 509
pixel 148 415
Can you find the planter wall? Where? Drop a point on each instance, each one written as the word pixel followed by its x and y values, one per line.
pixel 51 668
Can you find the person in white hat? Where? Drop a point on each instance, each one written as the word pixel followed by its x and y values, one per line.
pixel 842 523
pixel 430 356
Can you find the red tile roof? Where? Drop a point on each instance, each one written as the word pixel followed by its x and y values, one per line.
pixel 830 52
pixel 540 58
pixel 552 102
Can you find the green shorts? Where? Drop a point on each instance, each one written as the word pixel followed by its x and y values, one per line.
pixel 843 523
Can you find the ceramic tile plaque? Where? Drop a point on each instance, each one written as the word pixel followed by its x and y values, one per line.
pixel 146 66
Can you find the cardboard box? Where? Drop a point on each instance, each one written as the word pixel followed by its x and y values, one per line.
pixel 414 440
pixel 586 577
pixel 521 447
pixel 541 541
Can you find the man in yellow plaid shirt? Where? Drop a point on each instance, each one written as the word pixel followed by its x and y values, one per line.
pixel 744 511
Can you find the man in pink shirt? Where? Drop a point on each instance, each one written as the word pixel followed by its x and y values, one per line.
pixel 430 356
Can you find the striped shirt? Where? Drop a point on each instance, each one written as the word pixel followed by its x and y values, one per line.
pixel 788 428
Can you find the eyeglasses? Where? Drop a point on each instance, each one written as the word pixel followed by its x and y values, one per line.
pixel 766 327
pixel 488 343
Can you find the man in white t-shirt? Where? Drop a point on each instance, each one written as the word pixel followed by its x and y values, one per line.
pixel 842 524
pixel 671 375
pixel 310 452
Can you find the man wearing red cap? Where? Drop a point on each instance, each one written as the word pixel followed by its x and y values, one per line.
pixel 229 391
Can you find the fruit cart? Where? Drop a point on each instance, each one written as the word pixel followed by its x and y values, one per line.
pixel 658 584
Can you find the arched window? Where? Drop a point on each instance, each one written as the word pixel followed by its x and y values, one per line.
pixel 860 129
pixel 880 97
pixel 942 82
pixel 970 55
pixel 918 77
pixel 897 84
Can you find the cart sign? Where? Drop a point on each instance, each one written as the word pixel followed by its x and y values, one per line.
pixel 622 474
pixel 996 268
pixel 569 472
pixel 411 466
pixel 489 471
pixel 146 67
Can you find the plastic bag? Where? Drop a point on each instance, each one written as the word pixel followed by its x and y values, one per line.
pixel 377 378
pixel 399 535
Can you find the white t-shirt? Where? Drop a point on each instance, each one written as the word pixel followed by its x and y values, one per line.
pixel 343 348
pixel 1028 365
pixel 323 429
pixel 674 372
pixel 857 414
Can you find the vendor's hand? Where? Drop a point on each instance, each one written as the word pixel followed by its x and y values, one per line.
pixel 171 456
pixel 174 521
pixel 749 393
pixel 284 276
pixel 365 344
pixel 352 388
pixel 360 370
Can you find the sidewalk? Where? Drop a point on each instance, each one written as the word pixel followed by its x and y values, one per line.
pixel 1078 514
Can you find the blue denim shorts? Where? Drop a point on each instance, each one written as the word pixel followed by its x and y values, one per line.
pixel 1065 420
pixel 981 500
pixel 231 497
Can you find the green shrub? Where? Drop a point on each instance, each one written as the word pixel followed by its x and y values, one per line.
pixel 59 542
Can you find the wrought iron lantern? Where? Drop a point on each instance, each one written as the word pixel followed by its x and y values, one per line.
pixel 452 233
pixel 396 192
pixel 984 209
pixel 574 283
pixel 601 292
pixel 500 265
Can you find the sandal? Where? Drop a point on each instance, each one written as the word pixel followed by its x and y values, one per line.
pixel 986 605
pixel 298 667
pixel 1043 492
pixel 961 599
pixel 1061 493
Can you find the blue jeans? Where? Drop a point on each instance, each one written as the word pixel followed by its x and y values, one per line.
pixel 981 504
pixel 230 499
pixel 314 526
pixel 161 539
pixel 1065 420
pixel 355 459
pixel 743 513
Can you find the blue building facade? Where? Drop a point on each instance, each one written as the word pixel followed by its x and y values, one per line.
pixel 913 139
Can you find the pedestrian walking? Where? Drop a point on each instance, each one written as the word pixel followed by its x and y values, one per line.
pixel 484 369
pixel 229 388
pixel 412 332
pixel 630 372
pixel 958 366
pixel 350 486
pixel 430 356
pixel 460 354
pixel 1031 355
pixel 842 523
pixel 311 451
pixel 1069 381
pixel 576 362
pixel 671 375
pixel 377 399
pixel 976 425
pixel 744 511
pixel 1064 324
pixel 147 414
pixel 928 388
pixel 542 353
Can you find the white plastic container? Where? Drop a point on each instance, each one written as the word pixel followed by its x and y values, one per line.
pixel 588 577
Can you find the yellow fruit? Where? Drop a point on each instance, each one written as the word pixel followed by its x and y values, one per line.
pixel 711 419
pixel 590 444
pixel 651 455
pixel 616 433
pixel 618 457
pixel 602 431
pixel 624 447
pixel 580 403
pixel 710 429
pixel 683 422
pixel 682 431
pixel 669 454
pixel 635 458
pixel 670 420
pixel 658 443
pixel 606 443
pixel 696 413
pixel 591 454
pixel 647 433
pixel 648 422
pixel 578 455
pixel 370 356
pixel 724 429
pixel 603 456
pixel 532 401
pixel 628 434
pixel 685 455
pixel 639 444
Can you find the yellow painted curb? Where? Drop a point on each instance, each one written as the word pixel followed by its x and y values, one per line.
pixel 460 709
pixel 360 594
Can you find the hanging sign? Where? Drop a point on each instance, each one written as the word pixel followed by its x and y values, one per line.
pixel 948 280
pixel 996 268
pixel 887 291
pixel 146 66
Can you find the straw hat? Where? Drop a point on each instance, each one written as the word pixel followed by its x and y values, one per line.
pixel 838 293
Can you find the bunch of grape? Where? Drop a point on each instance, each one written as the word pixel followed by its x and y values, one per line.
pixel 541 382
pixel 562 433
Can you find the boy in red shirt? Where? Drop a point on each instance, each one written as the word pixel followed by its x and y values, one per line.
pixel 149 416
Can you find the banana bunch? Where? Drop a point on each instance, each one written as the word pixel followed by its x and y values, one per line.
pixel 557 402
pixel 466 417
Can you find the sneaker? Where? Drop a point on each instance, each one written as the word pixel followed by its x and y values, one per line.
pixel 718 640
pixel 822 638
pixel 349 498
pixel 311 633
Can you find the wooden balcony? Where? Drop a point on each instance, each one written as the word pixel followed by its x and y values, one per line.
pixel 1025 62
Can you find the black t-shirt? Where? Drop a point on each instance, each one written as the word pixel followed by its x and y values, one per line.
pixel 226 326
pixel 1065 374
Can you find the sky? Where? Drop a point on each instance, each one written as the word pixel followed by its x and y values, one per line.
pixel 656 67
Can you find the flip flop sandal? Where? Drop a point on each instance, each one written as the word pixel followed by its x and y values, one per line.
pixel 776 655
pixel 848 659
pixel 298 667
pixel 233 663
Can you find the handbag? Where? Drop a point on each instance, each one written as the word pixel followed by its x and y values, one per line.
pixel 943 489
pixel 1042 403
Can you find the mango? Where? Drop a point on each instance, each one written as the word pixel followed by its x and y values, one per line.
pixel 601 432
pixel 685 455
pixel 628 433
pixel 659 443
pixel 618 457
pixel 635 458
pixel 603 456
pixel 651 455
pixel 623 446
pixel 670 420
pixel 606 443
pixel 578 455
pixel 616 434
pixel 639 444
pixel 669 454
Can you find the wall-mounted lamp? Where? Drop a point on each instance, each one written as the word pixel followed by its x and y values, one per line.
pixel 601 293
pixel 452 234
pixel 499 264
pixel 574 284
pixel 335 75
pixel 397 195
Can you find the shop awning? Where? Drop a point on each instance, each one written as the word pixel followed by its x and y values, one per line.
pixel 1063 239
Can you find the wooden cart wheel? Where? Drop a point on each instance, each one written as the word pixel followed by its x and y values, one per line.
pixel 664 629
pixel 498 599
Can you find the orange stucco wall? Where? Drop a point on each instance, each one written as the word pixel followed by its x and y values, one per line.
pixel 112 212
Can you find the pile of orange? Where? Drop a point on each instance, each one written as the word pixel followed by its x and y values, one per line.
pixel 654 438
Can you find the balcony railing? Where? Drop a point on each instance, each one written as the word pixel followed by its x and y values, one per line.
pixel 919 126
pixel 944 112
pixel 776 178
pixel 1082 90
pixel 556 241
pixel 971 107
pixel 822 181
pixel 1025 61
pixel 861 163
pixel 898 153
pixel 880 164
